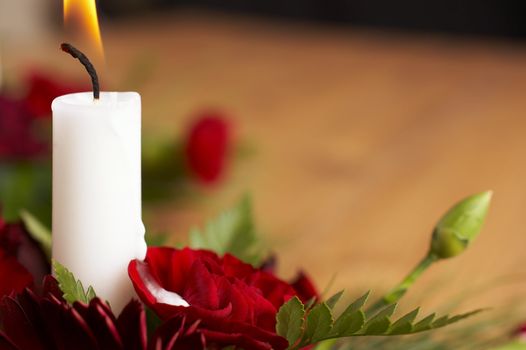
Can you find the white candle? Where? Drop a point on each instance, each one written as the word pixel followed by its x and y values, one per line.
pixel 97 226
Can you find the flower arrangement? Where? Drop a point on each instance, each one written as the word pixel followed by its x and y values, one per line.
pixel 218 290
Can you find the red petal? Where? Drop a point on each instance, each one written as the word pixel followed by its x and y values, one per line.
pixel 66 326
pixel 132 326
pixel 102 322
pixel 201 290
pixel 17 326
pixel 304 287
pixel 5 343
pixel 13 276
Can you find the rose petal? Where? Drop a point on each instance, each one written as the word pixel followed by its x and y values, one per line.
pixel 150 288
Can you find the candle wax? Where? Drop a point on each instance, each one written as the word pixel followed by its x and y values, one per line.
pixel 97 225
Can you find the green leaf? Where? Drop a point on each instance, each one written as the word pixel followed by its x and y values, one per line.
pixel 318 324
pixel 358 303
pixel 231 232
pixel 37 231
pixel 332 301
pixel 310 303
pixel 379 324
pixel 424 324
pixel 348 324
pixel 71 287
pixel 352 319
pixel 460 317
pixel 290 320
pixel 405 323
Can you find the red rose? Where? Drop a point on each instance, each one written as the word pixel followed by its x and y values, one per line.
pixel 16 135
pixel 207 146
pixel 43 89
pixel 234 303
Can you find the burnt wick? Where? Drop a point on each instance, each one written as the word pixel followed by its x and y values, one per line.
pixel 76 53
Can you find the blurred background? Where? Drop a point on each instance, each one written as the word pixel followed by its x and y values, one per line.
pixel 366 120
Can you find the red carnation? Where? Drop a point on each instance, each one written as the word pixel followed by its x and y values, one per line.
pixel 31 322
pixel 234 303
pixel 207 146
pixel 16 136
pixel 43 89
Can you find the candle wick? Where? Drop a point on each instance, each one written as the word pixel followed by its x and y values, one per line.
pixel 76 53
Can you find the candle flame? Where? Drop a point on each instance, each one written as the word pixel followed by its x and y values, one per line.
pixel 85 12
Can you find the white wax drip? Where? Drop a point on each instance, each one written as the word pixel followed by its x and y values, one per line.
pixel 160 294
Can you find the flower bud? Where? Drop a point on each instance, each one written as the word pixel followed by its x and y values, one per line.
pixel 460 225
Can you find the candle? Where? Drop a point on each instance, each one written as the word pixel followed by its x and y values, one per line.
pixel 97 227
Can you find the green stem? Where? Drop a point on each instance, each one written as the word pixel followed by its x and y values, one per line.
pixel 399 291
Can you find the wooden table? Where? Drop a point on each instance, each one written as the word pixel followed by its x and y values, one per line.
pixel 363 140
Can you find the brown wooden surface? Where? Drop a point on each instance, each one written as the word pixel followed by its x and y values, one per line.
pixel 363 139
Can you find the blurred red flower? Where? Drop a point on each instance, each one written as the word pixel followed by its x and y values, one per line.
pixel 46 321
pixel 207 146
pixel 13 276
pixel 235 303
pixel 21 259
pixel 16 135
pixel 520 333
pixel 42 90
pixel 304 287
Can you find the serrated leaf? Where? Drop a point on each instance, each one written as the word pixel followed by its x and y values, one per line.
pixel 332 301
pixel 310 303
pixel 318 324
pixel 440 322
pixel 405 323
pixel 290 320
pixel 352 318
pixel 379 323
pixel 378 327
pixel 348 324
pixel 424 324
pixel 231 232
pixel 357 304
pixel 457 318
pixel 71 287
pixel 90 294
pixel 37 231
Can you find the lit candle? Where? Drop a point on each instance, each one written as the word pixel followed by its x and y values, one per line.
pixel 97 226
